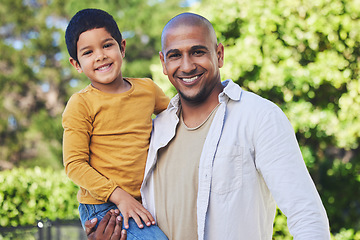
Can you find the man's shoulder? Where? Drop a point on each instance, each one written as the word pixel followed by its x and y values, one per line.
pixel 253 100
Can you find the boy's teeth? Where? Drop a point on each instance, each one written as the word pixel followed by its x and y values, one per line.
pixel 189 79
pixel 104 67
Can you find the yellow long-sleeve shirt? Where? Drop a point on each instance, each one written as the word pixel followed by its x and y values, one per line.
pixel 106 138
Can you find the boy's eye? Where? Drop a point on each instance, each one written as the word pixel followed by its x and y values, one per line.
pixel 87 52
pixel 108 45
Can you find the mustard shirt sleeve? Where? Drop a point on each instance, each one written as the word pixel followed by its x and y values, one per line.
pixel 161 100
pixel 77 124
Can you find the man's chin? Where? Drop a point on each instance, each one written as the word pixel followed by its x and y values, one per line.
pixel 193 99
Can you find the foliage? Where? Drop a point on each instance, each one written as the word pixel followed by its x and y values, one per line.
pixel 301 54
pixel 281 231
pixel 30 195
pixel 36 78
pixel 304 56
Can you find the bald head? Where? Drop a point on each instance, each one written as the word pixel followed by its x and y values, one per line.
pixel 189 20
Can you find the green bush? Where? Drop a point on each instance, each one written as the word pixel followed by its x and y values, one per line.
pixel 281 231
pixel 29 195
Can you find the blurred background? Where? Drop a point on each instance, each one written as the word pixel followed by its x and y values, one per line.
pixel 301 54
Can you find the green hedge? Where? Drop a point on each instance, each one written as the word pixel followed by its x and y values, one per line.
pixel 29 195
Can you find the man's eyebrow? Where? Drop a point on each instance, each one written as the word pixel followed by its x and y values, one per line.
pixel 171 51
pixel 193 48
pixel 197 47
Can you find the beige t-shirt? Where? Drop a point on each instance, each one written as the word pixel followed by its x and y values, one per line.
pixel 176 181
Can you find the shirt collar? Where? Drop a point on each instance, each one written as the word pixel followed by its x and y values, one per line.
pixel 231 91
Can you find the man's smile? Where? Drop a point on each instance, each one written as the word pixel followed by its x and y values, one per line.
pixel 190 79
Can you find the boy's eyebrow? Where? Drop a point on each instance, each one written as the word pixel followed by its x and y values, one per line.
pixel 82 49
pixel 109 39
pixel 104 41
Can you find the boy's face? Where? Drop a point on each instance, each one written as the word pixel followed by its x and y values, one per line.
pixel 100 58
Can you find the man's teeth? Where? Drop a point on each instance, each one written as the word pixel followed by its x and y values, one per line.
pixel 190 79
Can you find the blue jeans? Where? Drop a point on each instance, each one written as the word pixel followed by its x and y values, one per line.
pixel 90 211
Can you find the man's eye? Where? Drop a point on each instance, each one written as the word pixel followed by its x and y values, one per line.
pixel 199 52
pixel 176 55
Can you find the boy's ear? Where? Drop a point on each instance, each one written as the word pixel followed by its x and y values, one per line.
pixel 75 64
pixel 122 47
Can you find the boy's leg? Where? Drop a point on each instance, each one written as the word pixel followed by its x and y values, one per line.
pixel 90 211
pixel 147 233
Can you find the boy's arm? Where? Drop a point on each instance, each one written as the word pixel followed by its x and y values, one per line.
pixel 161 100
pixel 130 207
pixel 77 125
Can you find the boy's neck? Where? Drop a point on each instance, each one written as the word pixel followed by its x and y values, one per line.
pixel 118 86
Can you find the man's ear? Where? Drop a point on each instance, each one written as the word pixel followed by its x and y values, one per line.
pixel 75 64
pixel 163 62
pixel 220 54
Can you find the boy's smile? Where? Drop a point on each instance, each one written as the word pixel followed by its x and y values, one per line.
pixel 100 59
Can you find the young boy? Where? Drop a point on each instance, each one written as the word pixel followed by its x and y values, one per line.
pixel 107 125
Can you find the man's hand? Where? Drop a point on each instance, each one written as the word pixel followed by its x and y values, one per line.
pixel 108 228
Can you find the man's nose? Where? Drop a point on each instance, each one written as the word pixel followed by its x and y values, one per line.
pixel 187 64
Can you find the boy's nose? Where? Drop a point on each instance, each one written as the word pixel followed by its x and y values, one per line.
pixel 100 56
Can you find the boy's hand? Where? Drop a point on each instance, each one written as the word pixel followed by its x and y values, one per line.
pixel 108 228
pixel 129 207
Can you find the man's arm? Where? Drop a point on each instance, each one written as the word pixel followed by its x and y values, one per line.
pixel 279 160
pixel 108 228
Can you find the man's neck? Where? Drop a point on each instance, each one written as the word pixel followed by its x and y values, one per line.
pixel 195 114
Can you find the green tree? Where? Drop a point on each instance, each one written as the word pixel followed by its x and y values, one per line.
pixel 36 78
pixel 304 56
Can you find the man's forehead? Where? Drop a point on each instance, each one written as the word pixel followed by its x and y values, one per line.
pixel 185 42
pixel 178 28
pixel 185 33
pixel 187 28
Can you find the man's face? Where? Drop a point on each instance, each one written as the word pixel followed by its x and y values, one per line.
pixel 100 58
pixel 191 59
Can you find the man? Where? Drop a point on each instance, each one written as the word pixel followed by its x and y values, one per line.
pixel 220 157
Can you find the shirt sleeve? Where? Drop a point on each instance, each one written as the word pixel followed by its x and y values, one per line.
pixel 279 160
pixel 161 100
pixel 77 124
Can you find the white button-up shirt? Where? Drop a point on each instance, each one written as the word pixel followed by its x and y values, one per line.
pixel 250 160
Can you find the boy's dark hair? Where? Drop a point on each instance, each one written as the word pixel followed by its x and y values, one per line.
pixel 88 19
